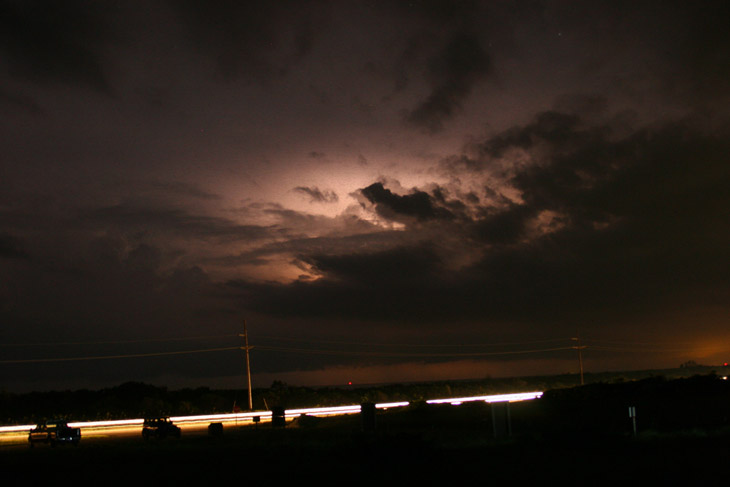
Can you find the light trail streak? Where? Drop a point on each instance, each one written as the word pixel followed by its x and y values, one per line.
pixel 520 396
pixel 17 433
pixel 13 429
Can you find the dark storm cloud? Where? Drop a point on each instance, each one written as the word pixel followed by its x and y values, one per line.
pixel 554 127
pixel 184 190
pixel 176 221
pixel 705 47
pixel 56 41
pixel 669 172
pixel 405 266
pixel 121 218
pixel 585 105
pixel 113 289
pixel 356 286
pixel 635 222
pixel 19 101
pixel 404 284
pixel 256 39
pixel 418 204
pixel 680 49
pixel 11 248
pixel 438 11
pixel 659 186
pixel 317 195
pixel 504 226
pixel 356 234
pixel 462 63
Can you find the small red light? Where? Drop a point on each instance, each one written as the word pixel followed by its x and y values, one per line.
pixel 350 383
pixel 725 364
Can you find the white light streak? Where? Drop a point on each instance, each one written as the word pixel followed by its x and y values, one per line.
pixel 386 405
pixel 126 424
pixel 14 429
pixel 520 396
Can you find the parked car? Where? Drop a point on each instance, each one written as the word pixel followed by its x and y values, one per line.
pixel 54 433
pixel 159 427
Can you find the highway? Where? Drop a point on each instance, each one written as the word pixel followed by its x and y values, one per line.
pixel 129 428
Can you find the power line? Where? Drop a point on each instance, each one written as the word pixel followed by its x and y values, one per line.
pixel 116 342
pixel 411 345
pixel 365 353
pixel 393 354
pixel 308 351
pixel 333 342
pixel 622 342
pixel 655 350
pixel 109 357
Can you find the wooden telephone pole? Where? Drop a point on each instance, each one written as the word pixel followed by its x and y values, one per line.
pixel 580 348
pixel 248 364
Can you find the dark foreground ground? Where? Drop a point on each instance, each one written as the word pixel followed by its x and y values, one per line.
pixel 572 437
pixel 387 459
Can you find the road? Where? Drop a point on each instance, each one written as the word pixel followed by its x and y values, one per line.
pixel 94 431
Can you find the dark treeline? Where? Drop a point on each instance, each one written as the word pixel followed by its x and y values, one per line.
pixel 700 403
pixel 134 400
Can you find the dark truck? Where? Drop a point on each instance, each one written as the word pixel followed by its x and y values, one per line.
pixel 159 427
pixel 54 433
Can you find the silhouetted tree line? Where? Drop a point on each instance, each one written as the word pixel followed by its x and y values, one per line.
pixel 601 410
pixel 133 399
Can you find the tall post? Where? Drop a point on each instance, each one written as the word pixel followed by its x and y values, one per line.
pixel 580 362
pixel 248 365
pixel 580 348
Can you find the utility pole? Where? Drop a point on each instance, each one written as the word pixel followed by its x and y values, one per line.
pixel 580 348
pixel 248 364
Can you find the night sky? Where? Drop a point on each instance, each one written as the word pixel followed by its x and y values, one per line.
pixel 385 191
